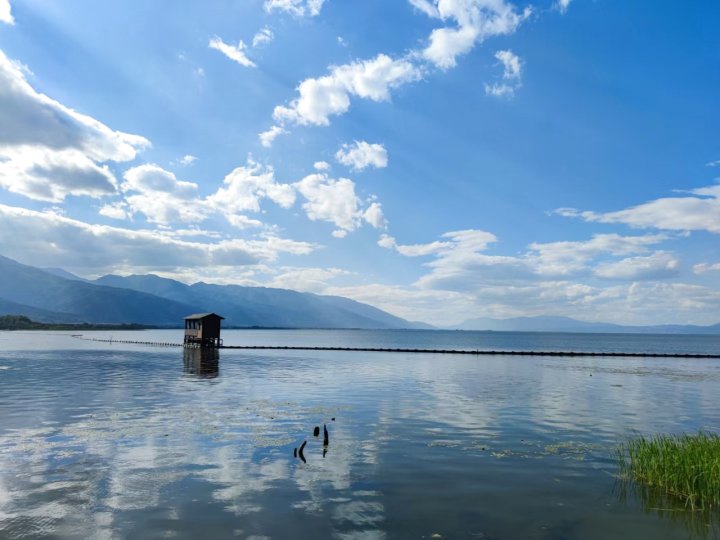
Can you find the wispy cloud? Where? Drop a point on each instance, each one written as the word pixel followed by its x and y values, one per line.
pixel 699 211
pixel 262 37
pixel 511 78
pixel 473 21
pixel 299 8
pixel 562 5
pixel 235 53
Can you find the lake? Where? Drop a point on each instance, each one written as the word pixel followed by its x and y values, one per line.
pixel 101 440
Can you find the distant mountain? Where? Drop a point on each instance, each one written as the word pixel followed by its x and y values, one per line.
pixel 37 314
pixel 58 296
pixel 263 306
pixel 37 289
pixel 59 272
pixel 566 324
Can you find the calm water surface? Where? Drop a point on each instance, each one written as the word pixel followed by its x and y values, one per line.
pixel 119 441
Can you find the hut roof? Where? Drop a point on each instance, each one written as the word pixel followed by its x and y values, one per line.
pixel 202 316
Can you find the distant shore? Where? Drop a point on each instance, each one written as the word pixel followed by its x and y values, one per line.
pixel 20 322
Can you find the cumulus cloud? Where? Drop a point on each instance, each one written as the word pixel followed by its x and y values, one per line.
pixel 323 97
pixel 51 175
pixel 46 238
pixel 49 151
pixel 699 211
pixel 235 53
pixel 117 210
pixel 335 201
pixel 361 155
pixel 299 8
pixel 269 136
pixel 157 194
pixel 374 216
pixel 511 78
pixel 160 196
pixel 262 37
pixel 6 13
pixel 473 22
pixel 244 187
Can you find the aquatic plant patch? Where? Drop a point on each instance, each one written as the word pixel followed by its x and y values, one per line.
pixel 686 466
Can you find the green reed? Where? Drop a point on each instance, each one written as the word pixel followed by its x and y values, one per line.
pixel 685 466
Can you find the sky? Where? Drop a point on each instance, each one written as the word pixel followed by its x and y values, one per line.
pixel 443 160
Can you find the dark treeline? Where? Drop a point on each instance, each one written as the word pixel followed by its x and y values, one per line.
pixel 21 322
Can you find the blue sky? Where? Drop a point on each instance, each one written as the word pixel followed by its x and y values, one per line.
pixel 440 159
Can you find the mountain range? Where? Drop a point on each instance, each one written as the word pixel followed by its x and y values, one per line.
pixel 566 324
pixel 54 295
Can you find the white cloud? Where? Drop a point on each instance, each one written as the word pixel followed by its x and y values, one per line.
pixel 562 5
pixel 153 179
pixel 48 239
pixel 511 78
pixel 512 67
pixel 374 216
pixel 659 265
pixel 305 279
pixel 160 196
pixel 474 21
pixel 233 52
pixel 245 186
pixel 330 95
pixel 361 155
pixel 713 163
pixel 188 159
pixel 413 250
pixel 115 211
pixel 243 222
pixel 321 166
pixel 565 258
pixel 335 201
pixel 706 267
pixel 49 151
pixel 300 8
pixel 427 7
pixel 330 200
pixel 263 36
pixel 51 175
pixel 267 137
pixel 6 13
pixel 461 263
pixel 700 211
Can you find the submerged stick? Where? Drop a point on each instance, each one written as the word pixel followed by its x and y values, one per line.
pixel 300 453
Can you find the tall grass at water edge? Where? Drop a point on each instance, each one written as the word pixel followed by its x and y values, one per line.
pixel 686 466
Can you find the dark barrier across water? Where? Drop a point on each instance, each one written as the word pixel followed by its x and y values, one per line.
pixel 478 352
